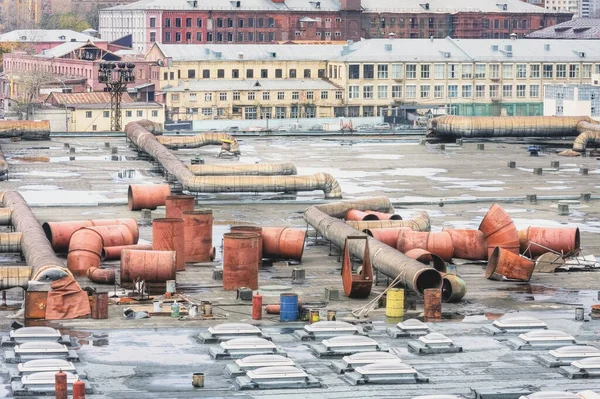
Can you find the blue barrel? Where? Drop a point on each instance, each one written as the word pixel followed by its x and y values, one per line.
pixel 288 310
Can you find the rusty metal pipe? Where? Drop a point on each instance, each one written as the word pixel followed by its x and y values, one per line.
pixel 85 249
pixel 59 233
pixel 438 243
pixel 384 216
pixel 499 230
pixel 454 288
pixel 27 130
pixel 101 276
pixel 200 140
pixel 360 216
pixel 468 244
pixel 35 246
pixel 535 240
pixel 177 204
pixel 272 169
pixel 218 184
pixel 505 264
pixel 147 196
pixel 5 216
pixel 389 261
pixel 452 126
pixel 197 226
pixel 255 230
pixel 590 134
pixel 114 253
pixel 14 276
pixel 115 235
pixel 168 234
pixel 10 242
pixel 240 260
pixel 152 127
pixel 418 222
pixel 388 236
pixel 428 258
pixel 282 243
pixel 151 266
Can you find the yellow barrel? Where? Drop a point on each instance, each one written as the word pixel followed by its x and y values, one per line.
pixel 395 303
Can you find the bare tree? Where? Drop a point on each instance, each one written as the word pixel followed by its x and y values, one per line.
pixel 27 91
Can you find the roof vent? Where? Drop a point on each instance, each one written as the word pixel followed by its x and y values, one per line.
pixel 25 334
pixel 39 365
pixel 62 37
pixel 42 383
pixel 242 347
pixel 257 84
pixel 388 47
pixel 242 366
pixel 583 368
pixel 345 345
pixel 241 56
pixel 425 6
pixel 552 395
pixel 508 47
pixel 434 343
pixel 226 331
pixel 323 329
pixel 502 6
pixel 541 339
pixel 218 54
pixel 276 377
pixel 547 47
pixel 388 372
pixel 409 328
pixel 515 325
pixel 39 350
pixel 349 363
pixel 23 37
pixel 581 54
pixel 494 47
pixel 46 378
pixel 273 54
pixel 565 355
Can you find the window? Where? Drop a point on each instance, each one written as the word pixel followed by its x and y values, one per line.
pixel 167 22
pixel 94 127
pixel 438 71
pixel 198 22
pixel 188 22
pixel 310 95
pixel 155 114
pixel 250 36
pixel 264 73
pixel 467 71
pixel 222 96
pixel 452 71
pixel 521 91
pixel 382 71
pixel 307 73
pixel 178 22
pixel 494 71
pixel 320 73
pixel 367 92
pixel 397 71
pixel 250 22
pixel 261 22
pixel 152 37
pixel 548 71
pixel 425 71
pixel 353 92
pixel 438 91
pixel 479 91
pixel 230 36
pixel 250 112
pixel 368 71
pixel 281 95
pixel 193 97
pixel 339 95
pixel 236 96
pixel 382 91
pixel 167 37
pixel 534 71
pixel 480 71
pixel 324 95
pixel 411 91
pixel 128 114
pixel 534 91
pixel 294 111
pixel 292 73
pixel 266 95
pixel 309 112
pixel 177 36
pixel 295 95
pixel 354 72
pixel 172 75
pixel 586 71
pixel 279 73
pixel 206 73
pixel 250 73
pixel 191 73
pixel 220 73
pixel 153 22
pixel 559 110
pixel 188 36
pixel 251 95
pixel 573 71
pixel 425 91
pixel 140 114
pixel 198 36
pixel 494 91
pixel 411 71
pixel 521 71
pixel 467 91
pixel 235 73
pixel 219 36
pixel 106 114
pixel 207 96
pixel 561 71
pixel 452 91
pixel 219 22
pixel 507 90
pixel 174 97
pixel 507 71
pixel 205 111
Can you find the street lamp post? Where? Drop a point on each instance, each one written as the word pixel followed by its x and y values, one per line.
pixel 64 105
pixel 116 76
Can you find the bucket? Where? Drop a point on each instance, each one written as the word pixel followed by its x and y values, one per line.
pixel 331 315
pixel 171 286
pixel 289 307
pixel 314 317
pixel 395 303
pixel 198 380
pixel 157 306
pixel 579 314
pixel 207 309
pixel 304 313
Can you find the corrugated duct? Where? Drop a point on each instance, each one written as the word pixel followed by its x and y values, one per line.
pixel 3 167
pixel 389 261
pixel 274 169
pixel 200 140
pixel 28 130
pixel 10 242
pixel 419 222
pixel 218 184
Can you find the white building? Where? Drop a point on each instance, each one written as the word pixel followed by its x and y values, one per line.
pixel 566 6
pixel 572 100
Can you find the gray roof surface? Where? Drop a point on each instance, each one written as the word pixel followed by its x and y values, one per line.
pixel 245 5
pixel 581 28
pixel 250 85
pixel 44 35
pixel 452 6
pixel 63 49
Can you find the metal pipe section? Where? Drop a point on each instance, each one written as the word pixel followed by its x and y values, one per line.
pixel 28 130
pixel 14 276
pixel 452 126
pixel 419 222
pixel 200 140
pixel 34 244
pixel 411 273
pixel 3 167
pixel 218 184
pixel 5 216
pixel 10 242
pixel 153 127
pixel 591 134
pixel 273 169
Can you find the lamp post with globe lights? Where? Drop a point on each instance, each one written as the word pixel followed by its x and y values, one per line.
pixel 116 76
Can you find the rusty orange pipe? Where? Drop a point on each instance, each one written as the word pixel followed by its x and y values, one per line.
pixel 499 230
pixel 427 258
pixel 85 248
pixel 114 253
pixel 147 196
pixel 168 234
pixel 115 235
pixel 151 266
pixel 197 226
pixel 59 233
pixel 177 204
pixel 438 243
pixel 468 244
pixel 505 264
pixel 360 216
pixel 101 276
pixel 255 230
pixel 387 235
pixel 283 243
pixel 535 240
pixel 384 216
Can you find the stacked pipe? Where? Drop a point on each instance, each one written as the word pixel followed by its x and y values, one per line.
pixel 28 130
pixel 214 184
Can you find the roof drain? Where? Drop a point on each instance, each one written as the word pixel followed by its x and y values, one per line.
pixel 388 372
pixel 541 339
pixel 227 331
pixel 514 325
pixel 349 363
pixel 242 347
pixel 276 377
pixel 409 328
pixel 583 368
pixel 242 366
pixel 565 355
pixel 325 329
pixel 345 345
pixel 433 343
pixel 39 350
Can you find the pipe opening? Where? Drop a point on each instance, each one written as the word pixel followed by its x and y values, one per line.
pixel 129 198
pixel 48 232
pixel 577 239
pixel 492 262
pixel 395 217
pixel 446 290
pixel 370 217
pixel 427 278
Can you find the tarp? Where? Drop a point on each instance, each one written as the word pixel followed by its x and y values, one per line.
pixel 67 300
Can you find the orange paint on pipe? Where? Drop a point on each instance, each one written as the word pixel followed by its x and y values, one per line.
pixel 115 235
pixel 84 251
pixel 438 243
pixel 563 240
pixel 147 196
pixel 59 233
pixel 283 243
pixel 384 216
pixel 177 204
pixel 240 261
pixel 387 235
pixel 468 244
pixel 101 276
pixel 360 216
pixel 428 258
pixel 197 226
pixel 255 230
pixel 168 235
pixel 114 253
pixel 151 266
pixel 499 230
pixel 505 264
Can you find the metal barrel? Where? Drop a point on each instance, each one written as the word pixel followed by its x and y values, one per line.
pixel 168 235
pixel 240 260
pixel 255 230
pixel 197 226
pixel 151 266
pixel 177 204
pixel 283 243
pixel 288 310
pixel 394 305
pixel 147 196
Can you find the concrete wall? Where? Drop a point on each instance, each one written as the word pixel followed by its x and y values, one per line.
pixel 301 124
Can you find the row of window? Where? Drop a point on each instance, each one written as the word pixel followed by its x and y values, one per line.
pixel 266 96
pixel 218 37
pixel 128 114
pixel 469 71
pixel 431 23
pixel 235 74
pixel 227 22
pixel 439 91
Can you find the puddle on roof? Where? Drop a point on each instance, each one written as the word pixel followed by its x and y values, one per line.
pixel 91 158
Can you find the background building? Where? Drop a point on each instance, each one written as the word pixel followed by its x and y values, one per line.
pixel 572 100
pixel 580 28
pixel 571 6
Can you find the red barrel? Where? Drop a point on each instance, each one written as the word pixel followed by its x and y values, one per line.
pixel 256 307
pixel 60 385
pixel 240 260
pixel 537 240
pixel 197 227
pixel 255 230
pixel 177 204
pixel 151 266
pixel 79 389
pixel 433 303
pixel 168 235
pixel 283 243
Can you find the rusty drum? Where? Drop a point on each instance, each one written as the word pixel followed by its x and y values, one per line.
pixel 168 235
pixel 240 260
pixel 177 204
pixel 197 227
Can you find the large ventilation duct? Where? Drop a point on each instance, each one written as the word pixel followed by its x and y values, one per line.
pixel 152 127
pixel 451 126
pixel 28 130
pixel 10 242
pixel 35 246
pixel 200 140
pixel 218 184
pixel 419 222
pixel 5 215
pixel 3 167
pixel 411 273
pixel 591 134
pixel 274 169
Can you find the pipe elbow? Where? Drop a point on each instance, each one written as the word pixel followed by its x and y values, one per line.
pixel 101 276
pixel 330 186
